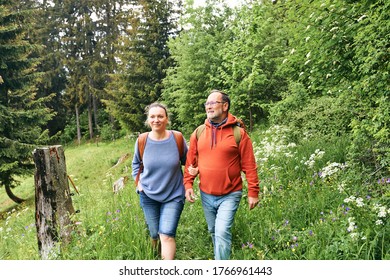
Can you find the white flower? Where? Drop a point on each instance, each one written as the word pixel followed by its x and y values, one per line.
pixel 341 187
pixel 354 235
pixel 349 199
pixel 359 202
pixel 382 212
pixel 379 222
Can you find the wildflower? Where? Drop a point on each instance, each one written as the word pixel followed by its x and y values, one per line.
pixel 118 210
pixel 294 238
pixel 341 187
pixel 247 245
pixel 354 235
pixel 351 225
pixel 382 212
pixel 286 222
pixel 359 202
pixel 350 199
pixel 379 222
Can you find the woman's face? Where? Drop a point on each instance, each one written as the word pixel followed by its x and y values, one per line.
pixel 157 119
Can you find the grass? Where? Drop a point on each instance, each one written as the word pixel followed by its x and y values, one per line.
pixel 314 206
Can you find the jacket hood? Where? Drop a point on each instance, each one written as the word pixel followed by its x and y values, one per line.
pixel 231 120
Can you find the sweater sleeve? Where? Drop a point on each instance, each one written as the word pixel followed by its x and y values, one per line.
pixel 136 163
pixel 248 165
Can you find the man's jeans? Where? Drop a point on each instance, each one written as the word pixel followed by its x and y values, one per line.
pixel 219 212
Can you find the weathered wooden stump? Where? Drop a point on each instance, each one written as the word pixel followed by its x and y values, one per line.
pixel 53 202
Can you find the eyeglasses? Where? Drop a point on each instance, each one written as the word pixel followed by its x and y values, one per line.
pixel 212 103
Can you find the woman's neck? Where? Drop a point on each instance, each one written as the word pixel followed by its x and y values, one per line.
pixel 159 135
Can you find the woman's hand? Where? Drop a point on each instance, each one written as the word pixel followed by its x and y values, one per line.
pixel 193 170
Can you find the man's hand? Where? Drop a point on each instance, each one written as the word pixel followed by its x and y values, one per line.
pixel 190 196
pixel 253 201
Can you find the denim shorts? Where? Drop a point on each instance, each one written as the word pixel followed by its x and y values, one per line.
pixel 161 217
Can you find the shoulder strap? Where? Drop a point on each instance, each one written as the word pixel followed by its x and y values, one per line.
pixel 179 142
pixel 141 148
pixel 199 130
pixel 141 143
pixel 236 132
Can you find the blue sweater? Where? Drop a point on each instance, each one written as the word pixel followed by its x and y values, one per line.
pixel 162 177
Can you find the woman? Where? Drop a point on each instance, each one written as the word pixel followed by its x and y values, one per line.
pixel 160 183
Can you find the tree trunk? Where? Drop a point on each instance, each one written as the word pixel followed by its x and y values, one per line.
pixel 90 120
pixel 53 203
pixel 78 124
pixel 12 196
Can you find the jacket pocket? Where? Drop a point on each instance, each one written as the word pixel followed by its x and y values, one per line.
pixel 215 181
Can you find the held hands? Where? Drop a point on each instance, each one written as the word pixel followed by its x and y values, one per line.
pixel 193 170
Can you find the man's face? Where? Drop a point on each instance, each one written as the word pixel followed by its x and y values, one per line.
pixel 216 109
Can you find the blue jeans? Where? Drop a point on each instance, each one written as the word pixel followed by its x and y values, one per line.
pixel 219 212
pixel 161 218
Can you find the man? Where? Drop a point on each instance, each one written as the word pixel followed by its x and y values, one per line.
pixel 220 159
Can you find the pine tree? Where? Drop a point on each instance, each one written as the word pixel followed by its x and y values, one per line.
pixel 22 114
pixel 145 58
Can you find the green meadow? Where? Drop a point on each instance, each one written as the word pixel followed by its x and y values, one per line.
pixel 314 206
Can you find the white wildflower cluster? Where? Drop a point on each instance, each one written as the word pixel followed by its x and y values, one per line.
pixel 273 144
pixel 382 212
pixel 341 187
pixel 318 154
pixel 331 168
pixel 359 201
pixel 351 224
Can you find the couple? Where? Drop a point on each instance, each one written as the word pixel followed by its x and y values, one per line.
pixel 215 154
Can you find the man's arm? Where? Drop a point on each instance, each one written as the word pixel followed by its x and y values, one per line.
pixel 249 167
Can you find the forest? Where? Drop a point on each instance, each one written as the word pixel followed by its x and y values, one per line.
pixel 75 72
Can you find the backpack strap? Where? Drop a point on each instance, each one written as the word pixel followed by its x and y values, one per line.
pixel 179 142
pixel 199 130
pixel 236 132
pixel 141 148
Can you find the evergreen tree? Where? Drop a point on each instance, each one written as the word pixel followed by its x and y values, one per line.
pixel 145 57
pixel 21 113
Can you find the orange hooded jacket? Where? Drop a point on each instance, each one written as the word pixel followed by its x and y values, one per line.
pixel 220 161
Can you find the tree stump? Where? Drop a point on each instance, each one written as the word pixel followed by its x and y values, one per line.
pixel 53 202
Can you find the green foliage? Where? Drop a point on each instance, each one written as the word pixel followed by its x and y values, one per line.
pixel 314 206
pixel 22 113
pixel 197 59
